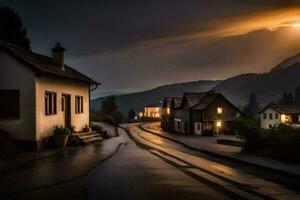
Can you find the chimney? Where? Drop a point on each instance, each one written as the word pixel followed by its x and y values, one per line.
pixel 58 56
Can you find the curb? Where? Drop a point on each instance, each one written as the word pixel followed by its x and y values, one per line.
pixel 224 156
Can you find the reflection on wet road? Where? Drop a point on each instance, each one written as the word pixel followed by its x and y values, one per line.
pixel 263 188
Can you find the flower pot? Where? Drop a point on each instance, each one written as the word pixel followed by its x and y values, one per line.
pixel 86 129
pixel 60 140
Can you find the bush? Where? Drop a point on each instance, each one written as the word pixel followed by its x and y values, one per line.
pixel 97 128
pixel 207 132
pixel 280 143
pixel 61 131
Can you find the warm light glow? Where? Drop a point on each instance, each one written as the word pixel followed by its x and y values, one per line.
pixel 168 111
pixel 219 124
pixel 284 118
pixel 296 25
pixel 219 110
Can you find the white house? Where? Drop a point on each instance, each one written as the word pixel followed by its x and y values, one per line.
pixel 38 93
pixel 273 115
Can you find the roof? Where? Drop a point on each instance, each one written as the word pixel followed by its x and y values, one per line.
pixel 43 64
pixel 284 109
pixel 193 98
pixel 206 100
pixel 177 102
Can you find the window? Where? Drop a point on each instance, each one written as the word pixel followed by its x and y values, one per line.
pixel 271 116
pixel 270 126
pixel 50 103
pixel 265 116
pixel 198 126
pixel 78 104
pixel 9 103
pixel 178 125
pixel 63 101
pixel 276 116
pixel 219 110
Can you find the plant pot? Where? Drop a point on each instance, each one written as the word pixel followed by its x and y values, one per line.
pixel 60 140
pixel 86 129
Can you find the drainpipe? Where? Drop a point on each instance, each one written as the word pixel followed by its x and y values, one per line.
pixel 90 90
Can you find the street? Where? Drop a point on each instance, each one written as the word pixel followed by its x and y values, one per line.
pixel 138 165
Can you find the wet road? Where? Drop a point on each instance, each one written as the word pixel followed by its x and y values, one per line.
pixel 142 167
pixel 226 175
pixel 60 176
pixel 136 174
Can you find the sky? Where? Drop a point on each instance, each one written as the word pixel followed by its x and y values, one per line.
pixel 135 45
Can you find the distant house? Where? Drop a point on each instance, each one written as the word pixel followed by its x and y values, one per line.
pixel 175 112
pixel 200 112
pixel 152 111
pixel 38 93
pixel 166 113
pixel 273 115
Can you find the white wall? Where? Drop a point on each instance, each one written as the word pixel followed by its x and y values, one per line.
pixel 15 75
pixel 46 123
pixel 196 130
pixel 265 123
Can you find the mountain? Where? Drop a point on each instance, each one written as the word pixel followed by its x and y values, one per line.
pixel 268 87
pixel 138 100
pixel 288 62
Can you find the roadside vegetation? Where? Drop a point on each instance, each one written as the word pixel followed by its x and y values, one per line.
pixel 109 113
pixel 280 143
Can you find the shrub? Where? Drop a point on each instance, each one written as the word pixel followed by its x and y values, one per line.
pixel 61 131
pixel 207 132
pixel 97 128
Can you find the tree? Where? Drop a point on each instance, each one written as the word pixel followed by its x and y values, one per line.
pixel 131 114
pixel 11 28
pixel 287 99
pixel 109 106
pixel 253 106
pixel 297 95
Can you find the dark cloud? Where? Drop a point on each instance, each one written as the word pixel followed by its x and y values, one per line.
pixel 133 45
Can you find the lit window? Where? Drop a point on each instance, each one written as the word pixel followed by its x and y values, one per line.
pixel 219 124
pixel 78 104
pixel 50 103
pixel 219 110
pixel 168 111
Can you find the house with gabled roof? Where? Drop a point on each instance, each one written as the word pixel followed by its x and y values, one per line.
pixel 273 115
pixel 38 92
pixel 176 115
pixel 166 113
pixel 201 112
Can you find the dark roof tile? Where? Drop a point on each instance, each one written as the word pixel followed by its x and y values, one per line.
pixel 43 63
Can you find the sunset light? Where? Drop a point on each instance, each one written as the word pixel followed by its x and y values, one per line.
pixel 144 100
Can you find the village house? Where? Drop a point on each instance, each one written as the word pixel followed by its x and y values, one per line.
pixel 175 115
pixel 198 113
pixel 166 113
pixel 273 115
pixel 38 93
pixel 152 111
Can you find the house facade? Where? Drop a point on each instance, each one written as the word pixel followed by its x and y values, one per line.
pixel 38 93
pixel 203 112
pixel 273 115
pixel 166 113
pixel 152 111
pixel 176 115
